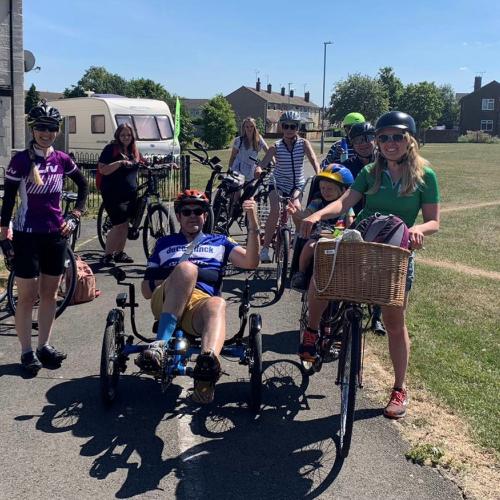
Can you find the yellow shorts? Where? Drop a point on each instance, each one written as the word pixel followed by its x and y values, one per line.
pixel 197 298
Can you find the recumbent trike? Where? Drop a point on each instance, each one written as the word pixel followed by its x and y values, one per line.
pixel 117 346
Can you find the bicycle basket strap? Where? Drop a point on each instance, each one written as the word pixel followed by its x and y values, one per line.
pixel 337 244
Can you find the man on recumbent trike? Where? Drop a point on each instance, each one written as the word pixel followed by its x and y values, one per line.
pixel 183 280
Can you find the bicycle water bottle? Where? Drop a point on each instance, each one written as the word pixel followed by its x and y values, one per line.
pixel 339 228
pixel 345 150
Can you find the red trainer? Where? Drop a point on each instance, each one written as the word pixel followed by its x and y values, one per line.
pixel 307 349
pixel 396 408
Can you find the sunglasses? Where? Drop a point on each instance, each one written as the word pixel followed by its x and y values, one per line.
pixel 291 126
pixel 362 139
pixel 196 211
pixel 46 128
pixel 383 138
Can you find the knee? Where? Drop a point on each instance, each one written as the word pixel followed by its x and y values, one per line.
pixel 186 271
pixel 216 305
pixel 394 321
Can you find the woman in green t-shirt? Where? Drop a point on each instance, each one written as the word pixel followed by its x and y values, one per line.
pixel 399 182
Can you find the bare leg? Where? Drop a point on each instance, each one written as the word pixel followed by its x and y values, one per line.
pixel 116 238
pixel 27 290
pixel 47 308
pixel 399 341
pixel 306 255
pixel 272 220
pixel 178 288
pixel 210 319
pixel 316 308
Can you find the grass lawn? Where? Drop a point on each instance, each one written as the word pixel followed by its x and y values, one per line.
pixel 454 318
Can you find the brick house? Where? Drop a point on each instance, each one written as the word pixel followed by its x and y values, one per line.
pixel 480 110
pixel 268 105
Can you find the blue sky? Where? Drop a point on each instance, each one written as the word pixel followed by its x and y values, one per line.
pixel 199 48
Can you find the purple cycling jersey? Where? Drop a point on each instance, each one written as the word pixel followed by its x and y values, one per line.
pixel 40 210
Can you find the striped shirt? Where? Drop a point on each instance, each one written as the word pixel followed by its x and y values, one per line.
pixel 289 171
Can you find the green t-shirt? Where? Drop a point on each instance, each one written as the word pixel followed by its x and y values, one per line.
pixel 387 199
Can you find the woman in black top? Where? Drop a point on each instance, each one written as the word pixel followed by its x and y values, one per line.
pixel 118 166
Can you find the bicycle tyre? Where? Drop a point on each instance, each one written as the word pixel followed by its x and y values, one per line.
pixel 157 223
pixel 348 373
pixel 65 292
pixel 281 252
pixel 255 365
pixel 103 226
pixel 112 345
pixel 208 227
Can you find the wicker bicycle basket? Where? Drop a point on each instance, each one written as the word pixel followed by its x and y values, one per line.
pixel 366 273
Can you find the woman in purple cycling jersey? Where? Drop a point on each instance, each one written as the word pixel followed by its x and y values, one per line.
pixel 40 232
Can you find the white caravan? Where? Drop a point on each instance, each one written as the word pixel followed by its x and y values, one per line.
pixel 92 121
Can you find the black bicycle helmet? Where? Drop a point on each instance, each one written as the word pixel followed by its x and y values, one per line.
pixel 191 196
pixel 365 128
pixel 43 114
pixel 290 116
pixel 396 119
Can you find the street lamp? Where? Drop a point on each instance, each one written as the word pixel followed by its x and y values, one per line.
pixel 323 107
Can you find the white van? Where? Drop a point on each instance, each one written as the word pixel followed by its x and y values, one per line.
pixel 92 121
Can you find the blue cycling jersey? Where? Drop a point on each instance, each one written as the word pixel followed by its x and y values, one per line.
pixel 210 255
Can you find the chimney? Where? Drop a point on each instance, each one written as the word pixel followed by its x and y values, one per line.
pixel 291 92
pixel 257 85
pixel 283 91
pixel 269 88
pixel 477 83
pixel 307 95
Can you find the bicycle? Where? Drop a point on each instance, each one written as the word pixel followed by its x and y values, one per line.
pixel 150 212
pixel 351 276
pixel 68 199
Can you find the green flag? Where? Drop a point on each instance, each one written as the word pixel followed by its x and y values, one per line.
pixel 177 130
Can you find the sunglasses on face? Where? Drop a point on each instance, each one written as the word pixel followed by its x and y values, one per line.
pixel 196 211
pixel 383 138
pixel 362 139
pixel 291 126
pixel 46 128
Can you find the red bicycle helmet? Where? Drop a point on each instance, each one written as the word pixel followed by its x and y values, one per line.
pixel 191 196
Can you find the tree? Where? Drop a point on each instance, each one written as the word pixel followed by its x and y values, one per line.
pixel 451 108
pixel 146 88
pixel 424 102
pixel 259 122
pixel 32 98
pixel 392 85
pixel 100 81
pixel 358 93
pixel 219 122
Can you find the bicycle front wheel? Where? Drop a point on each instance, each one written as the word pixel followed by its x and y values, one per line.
pixel 348 369
pixel 104 225
pixel 158 223
pixel 281 252
pixel 65 289
pixel 221 216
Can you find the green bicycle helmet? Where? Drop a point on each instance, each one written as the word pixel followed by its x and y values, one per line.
pixel 352 118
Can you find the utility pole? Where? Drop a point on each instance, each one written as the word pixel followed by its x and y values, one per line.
pixel 323 107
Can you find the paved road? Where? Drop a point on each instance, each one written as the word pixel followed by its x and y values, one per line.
pixel 59 442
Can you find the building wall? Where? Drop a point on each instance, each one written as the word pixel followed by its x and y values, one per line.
pixel 11 79
pixel 471 112
pixel 246 103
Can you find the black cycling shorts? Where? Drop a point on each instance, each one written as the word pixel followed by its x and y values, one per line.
pixel 36 253
pixel 121 209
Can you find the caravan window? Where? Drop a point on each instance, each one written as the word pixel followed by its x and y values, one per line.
pixel 148 127
pixel 97 124
pixel 71 124
pixel 165 127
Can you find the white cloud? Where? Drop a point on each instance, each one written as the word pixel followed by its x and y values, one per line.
pixel 465 44
pixel 463 68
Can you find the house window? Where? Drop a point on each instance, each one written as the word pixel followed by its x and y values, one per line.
pixel 71 124
pixel 487 125
pixel 487 104
pixel 97 124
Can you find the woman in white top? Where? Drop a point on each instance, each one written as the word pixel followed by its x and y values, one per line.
pixel 248 144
